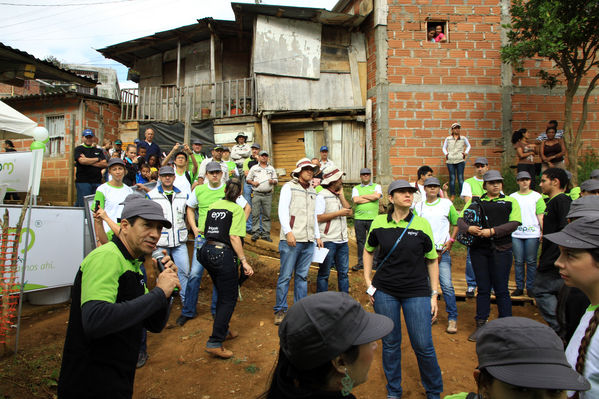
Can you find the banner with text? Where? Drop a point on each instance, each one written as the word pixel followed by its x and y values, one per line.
pixel 14 170
pixel 55 245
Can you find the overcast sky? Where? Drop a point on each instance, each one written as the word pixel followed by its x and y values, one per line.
pixel 72 33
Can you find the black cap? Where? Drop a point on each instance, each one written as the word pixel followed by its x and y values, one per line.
pixel 322 326
pixel 582 233
pixel 525 353
pixel 135 205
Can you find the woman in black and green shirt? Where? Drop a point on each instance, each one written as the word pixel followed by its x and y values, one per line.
pixel 224 228
pixel 491 251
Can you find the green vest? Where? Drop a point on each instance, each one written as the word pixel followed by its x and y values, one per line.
pixel 199 158
pixel 368 210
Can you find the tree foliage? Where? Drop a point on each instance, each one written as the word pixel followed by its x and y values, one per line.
pixel 567 33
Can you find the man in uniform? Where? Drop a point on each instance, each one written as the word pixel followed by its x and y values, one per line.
pixel 299 230
pixel 111 305
pixel 262 177
pixel 240 151
pixel 90 161
pixel 366 196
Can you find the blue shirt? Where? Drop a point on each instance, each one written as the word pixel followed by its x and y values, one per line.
pixel 151 149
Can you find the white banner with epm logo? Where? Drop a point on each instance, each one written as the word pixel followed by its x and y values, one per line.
pixel 14 170
pixel 56 245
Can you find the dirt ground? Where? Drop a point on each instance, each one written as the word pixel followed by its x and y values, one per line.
pixel 179 368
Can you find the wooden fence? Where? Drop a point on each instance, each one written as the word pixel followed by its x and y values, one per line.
pixel 202 101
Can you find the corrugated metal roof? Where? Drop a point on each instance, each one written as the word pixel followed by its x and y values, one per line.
pixel 71 94
pixel 12 59
pixel 128 52
pixel 319 15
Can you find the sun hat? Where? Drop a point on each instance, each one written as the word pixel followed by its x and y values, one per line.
pixel 365 171
pixel 331 173
pixel 322 326
pixel 590 185
pixel 492 175
pixel 213 167
pixel 398 184
pixel 481 161
pixel 456 124
pixel 523 175
pixel 115 161
pixel 166 170
pixel 525 353
pixel 582 233
pixel 432 181
pixel 135 205
pixel 241 134
pixel 87 133
pixel 304 163
pixel 587 206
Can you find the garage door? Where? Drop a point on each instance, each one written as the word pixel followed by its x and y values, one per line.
pixel 288 148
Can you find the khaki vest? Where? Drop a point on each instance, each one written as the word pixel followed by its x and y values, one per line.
pixel 335 229
pixel 455 148
pixel 301 212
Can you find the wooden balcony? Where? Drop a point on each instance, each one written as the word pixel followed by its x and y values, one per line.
pixel 223 99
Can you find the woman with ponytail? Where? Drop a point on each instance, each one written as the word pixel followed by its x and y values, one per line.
pixel 578 266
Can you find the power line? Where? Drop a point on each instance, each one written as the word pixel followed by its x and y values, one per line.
pixel 64 5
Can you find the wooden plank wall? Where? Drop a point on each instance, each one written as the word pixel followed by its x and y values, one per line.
pixel 347 147
pixel 288 148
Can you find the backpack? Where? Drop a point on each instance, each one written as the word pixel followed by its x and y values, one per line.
pixel 474 215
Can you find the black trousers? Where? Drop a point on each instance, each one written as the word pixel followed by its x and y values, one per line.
pixel 221 263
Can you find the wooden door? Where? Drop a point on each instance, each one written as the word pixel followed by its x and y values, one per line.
pixel 288 148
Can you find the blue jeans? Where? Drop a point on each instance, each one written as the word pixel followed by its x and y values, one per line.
pixel 247 194
pixel 492 270
pixel 339 256
pixel 447 286
pixel 193 284
pixel 470 277
pixel 295 261
pixel 417 314
pixel 181 259
pixel 525 251
pixel 456 168
pixel 84 189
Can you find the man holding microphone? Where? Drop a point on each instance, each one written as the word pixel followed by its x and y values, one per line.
pixel 111 305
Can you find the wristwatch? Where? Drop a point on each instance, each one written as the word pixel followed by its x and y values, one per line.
pixel 434 293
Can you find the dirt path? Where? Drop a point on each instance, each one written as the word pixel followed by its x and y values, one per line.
pixel 179 368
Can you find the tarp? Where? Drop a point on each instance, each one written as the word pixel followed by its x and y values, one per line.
pixel 13 123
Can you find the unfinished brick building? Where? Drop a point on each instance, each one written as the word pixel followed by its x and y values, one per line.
pixel 419 88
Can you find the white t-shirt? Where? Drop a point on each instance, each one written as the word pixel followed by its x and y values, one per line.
pixel 113 196
pixel 591 363
pixel 531 205
pixel 440 215
pixel 182 183
pixel 319 207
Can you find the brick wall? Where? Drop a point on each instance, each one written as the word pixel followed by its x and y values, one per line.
pixel 54 184
pixel 30 87
pixel 432 85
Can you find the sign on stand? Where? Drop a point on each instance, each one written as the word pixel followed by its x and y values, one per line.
pixel 15 169
pixel 56 237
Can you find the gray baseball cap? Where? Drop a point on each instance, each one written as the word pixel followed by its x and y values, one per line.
pixel 397 184
pixel 365 171
pixel 523 175
pixel 590 185
pixel 322 326
pixel 255 145
pixel 492 175
pixel 263 153
pixel 582 233
pixel 213 167
pixel 135 205
pixel 115 161
pixel 197 141
pixel 481 161
pixel 525 353
pixel 166 170
pixel 587 206
pixel 432 181
pixel 595 174
pixel 226 149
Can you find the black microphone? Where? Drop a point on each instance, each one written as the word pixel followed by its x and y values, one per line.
pixel 158 255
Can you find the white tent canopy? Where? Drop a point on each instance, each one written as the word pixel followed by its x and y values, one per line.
pixel 14 124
